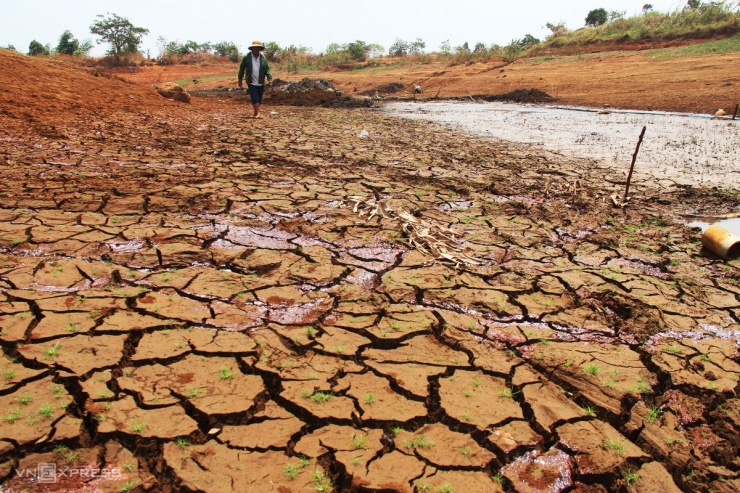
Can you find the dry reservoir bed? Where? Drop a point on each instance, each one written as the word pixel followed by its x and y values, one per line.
pixel 196 301
pixel 677 148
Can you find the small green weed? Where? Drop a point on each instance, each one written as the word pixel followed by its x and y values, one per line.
pixel 129 486
pixel 225 373
pixel 419 441
pixel 71 457
pixel 359 441
pixel 652 415
pixel 46 410
pixel 291 471
pixel 674 349
pixel 320 482
pixel 24 399
pixel 616 446
pixel 196 392
pixel 321 397
pixel 630 476
pixel 506 393
pixel 13 416
pixel 52 351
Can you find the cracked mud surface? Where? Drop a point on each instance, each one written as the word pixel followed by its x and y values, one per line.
pixel 193 299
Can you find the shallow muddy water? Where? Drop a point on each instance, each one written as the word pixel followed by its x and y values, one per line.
pixel 732 225
pixel 684 148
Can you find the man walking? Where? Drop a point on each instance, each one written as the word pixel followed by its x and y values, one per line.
pixel 254 68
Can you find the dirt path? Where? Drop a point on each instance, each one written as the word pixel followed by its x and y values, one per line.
pixel 194 300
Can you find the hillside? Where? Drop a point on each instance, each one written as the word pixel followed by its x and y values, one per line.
pixel 670 79
pixel 45 94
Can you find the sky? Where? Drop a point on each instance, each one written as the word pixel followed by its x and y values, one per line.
pixel 313 24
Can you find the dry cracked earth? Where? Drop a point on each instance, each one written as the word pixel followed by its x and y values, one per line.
pixel 192 300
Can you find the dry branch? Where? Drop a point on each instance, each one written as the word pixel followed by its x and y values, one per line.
pixel 425 236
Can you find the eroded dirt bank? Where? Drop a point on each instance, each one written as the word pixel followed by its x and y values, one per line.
pixel 201 301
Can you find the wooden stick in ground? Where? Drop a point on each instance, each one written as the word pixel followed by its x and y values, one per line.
pixel 735 113
pixel 632 166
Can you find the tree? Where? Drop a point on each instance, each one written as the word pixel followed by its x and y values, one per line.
pixel 35 48
pixel 479 48
pixel 444 48
pixel 399 48
pixel 529 40
pixel 67 45
pixel 693 4
pixel 417 47
pixel 273 52
pixel 173 48
pixel 84 48
pixel 513 50
pixel 558 29
pixel 10 47
pixel 333 48
pixel 375 50
pixel 358 50
pixel 647 8
pixel 190 48
pixel 123 36
pixel 230 50
pixel 616 15
pixel 597 17
pixel 463 48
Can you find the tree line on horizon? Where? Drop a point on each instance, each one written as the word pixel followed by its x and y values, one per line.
pixel 124 39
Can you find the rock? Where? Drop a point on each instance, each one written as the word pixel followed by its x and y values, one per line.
pixel 720 112
pixel 171 90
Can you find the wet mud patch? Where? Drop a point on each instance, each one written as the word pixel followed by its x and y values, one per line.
pixel 532 95
pixel 306 92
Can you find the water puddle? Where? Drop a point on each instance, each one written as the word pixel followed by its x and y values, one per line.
pixel 135 245
pixel 686 148
pixel 260 238
pixel 459 205
pixel 550 472
pixel 362 278
pixel 732 225
pixel 298 313
pixel 712 332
